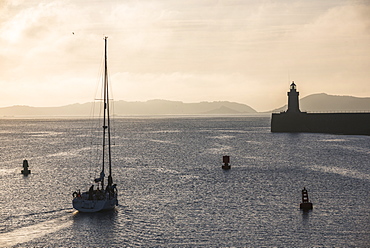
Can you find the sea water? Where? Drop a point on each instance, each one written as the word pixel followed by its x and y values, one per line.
pixel 172 189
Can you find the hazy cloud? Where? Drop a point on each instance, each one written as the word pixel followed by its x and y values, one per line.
pixel 245 51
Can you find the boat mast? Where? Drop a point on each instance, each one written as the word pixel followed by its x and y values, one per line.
pixel 105 126
pixel 106 121
pixel 110 181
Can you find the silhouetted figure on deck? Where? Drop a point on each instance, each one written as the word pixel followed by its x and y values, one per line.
pixel 91 192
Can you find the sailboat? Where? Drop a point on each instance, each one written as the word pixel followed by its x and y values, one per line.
pixel 101 198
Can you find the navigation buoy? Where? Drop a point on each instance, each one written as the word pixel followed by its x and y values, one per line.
pixel 25 170
pixel 306 204
pixel 226 160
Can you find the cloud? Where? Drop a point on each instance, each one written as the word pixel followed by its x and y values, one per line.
pixel 331 53
pixel 192 50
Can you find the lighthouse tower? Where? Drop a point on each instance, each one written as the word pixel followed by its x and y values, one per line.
pixel 293 103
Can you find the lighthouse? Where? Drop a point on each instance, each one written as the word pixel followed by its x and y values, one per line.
pixel 293 102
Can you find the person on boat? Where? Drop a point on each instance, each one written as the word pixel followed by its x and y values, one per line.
pixel 109 186
pixel 91 192
pixel 108 189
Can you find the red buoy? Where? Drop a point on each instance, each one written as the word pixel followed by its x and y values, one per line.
pixel 305 204
pixel 226 160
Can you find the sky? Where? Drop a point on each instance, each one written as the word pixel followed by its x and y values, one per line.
pixel 246 51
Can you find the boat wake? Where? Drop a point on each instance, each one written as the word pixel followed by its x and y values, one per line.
pixel 341 171
pixel 39 213
pixel 27 233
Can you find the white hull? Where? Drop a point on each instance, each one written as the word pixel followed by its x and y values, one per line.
pixel 89 206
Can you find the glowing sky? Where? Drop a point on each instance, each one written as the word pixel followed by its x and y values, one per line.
pixel 244 51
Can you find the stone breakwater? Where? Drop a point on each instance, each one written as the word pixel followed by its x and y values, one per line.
pixel 334 123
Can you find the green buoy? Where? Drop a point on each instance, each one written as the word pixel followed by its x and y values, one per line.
pixel 25 170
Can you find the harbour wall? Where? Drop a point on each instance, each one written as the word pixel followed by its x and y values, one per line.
pixel 334 123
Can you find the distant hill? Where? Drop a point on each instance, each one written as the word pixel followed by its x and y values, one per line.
pixel 330 103
pixel 152 107
pixel 155 107
pixel 312 103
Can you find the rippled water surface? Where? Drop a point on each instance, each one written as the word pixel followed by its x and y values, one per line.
pixel 172 190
